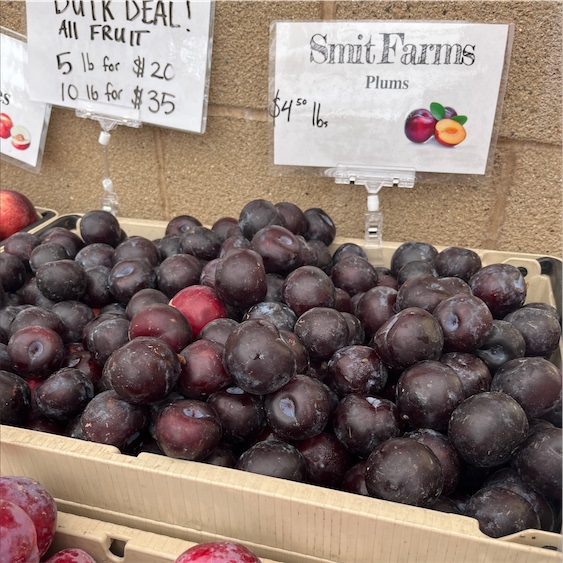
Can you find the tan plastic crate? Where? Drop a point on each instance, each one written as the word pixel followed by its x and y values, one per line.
pixel 111 543
pixel 285 521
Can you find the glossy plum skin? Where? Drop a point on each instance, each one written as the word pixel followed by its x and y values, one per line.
pixel 218 552
pixel 33 498
pixel 274 458
pixel 142 371
pixel 427 393
pixel 419 125
pixel 362 422
pixel 70 555
pixel 534 382
pixel 487 428
pixel 299 410
pixel 257 357
pixel 389 472
pixel 188 429
pixel 108 419
pixel 19 539
pixel 501 512
pixel 501 286
pixel 409 336
pixel 15 399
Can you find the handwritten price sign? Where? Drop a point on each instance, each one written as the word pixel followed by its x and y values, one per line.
pixel 153 57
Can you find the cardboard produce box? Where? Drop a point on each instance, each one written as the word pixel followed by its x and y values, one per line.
pixel 281 520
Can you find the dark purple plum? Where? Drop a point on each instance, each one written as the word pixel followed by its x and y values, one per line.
pixel 409 336
pixel 129 276
pixel 143 370
pixel 279 248
pixel 532 381
pixel 376 306
pixel 466 322
pixel 362 422
pixel 487 428
pixel 202 372
pixel 137 248
pixel 501 512
pixel 457 262
pixel 226 227
pixel 162 321
pixel 274 458
pixel 426 292
pixel 241 414
pixel 61 280
pixel 218 330
pixel 143 298
pixel 36 351
pixel 505 342
pixel 356 369
pixel 447 455
pixel 257 357
pixel 539 460
pixel 427 393
pixel 256 214
pixel 319 226
pixel 240 279
pixel 293 217
pixel 299 410
pixel 326 459
pixel 100 226
pixel 390 475
pixel 323 331
pixel 201 242
pixel 308 287
pixel 15 399
pixel 108 419
pixel 409 251
pixel 181 223
pixel 176 272
pixel 539 327
pixel 501 286
pixel 188 429
pixel 354 480
pixel 64 394
pixel 354 274
pixel 277 313
pixel 46 252
pixel 105 334
pixel 473 373
pixel 95 254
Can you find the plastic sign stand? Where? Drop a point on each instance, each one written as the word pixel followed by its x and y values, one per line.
pixel 386 96
pixel 24 123
pixel 374 179
pixel 109 117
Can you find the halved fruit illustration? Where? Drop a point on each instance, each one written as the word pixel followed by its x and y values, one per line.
pixel 449 132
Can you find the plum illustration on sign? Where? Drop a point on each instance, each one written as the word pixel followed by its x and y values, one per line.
pixel 442 123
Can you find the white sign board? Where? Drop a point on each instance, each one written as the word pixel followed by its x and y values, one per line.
pixel 343 92
pixel 23 123
pixel 152 57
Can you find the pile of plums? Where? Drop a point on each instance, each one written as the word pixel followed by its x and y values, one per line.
pixel 255 344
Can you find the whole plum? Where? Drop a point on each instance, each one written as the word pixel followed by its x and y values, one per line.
pixel 408 337
pixel 390 475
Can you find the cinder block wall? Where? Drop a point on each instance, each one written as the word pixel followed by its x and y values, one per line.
pixel 160 173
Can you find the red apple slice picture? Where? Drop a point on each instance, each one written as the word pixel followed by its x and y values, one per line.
pixel 6 125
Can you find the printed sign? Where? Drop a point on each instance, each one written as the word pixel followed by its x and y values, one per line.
pixel 149 56
pixel 405 94
pixel 23 123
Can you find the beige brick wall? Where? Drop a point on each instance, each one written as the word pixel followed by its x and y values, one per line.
pixel 159 173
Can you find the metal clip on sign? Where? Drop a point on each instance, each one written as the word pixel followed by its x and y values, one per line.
pixel 373 179
pixel 108 119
